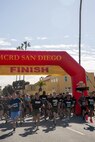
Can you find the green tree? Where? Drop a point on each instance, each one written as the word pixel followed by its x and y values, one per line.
pixel 40 83
pixel 8 90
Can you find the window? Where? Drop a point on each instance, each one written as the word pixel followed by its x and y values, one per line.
pixel 51 80
pixel 87 78
pixel 56 79
pixel 65 78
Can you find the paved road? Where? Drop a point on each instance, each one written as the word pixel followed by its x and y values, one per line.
pixel 74 130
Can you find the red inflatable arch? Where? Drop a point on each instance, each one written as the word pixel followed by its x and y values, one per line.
pixel 46 58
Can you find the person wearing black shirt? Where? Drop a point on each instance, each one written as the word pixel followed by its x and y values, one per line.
pixel 49 106
pixel 83 104
pixel 91 101
pixel 60 106
pixel 54 103
pixel 43 97
pixel 36 106
pixel 68 105
pixel 73 105
pixel 1 110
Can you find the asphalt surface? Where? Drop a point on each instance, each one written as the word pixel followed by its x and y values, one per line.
pixel 74 130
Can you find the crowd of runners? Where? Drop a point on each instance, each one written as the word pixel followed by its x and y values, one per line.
pixel 17 107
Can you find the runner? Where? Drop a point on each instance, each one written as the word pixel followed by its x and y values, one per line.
pixel 49 106
pixel 54 102
pixel 68 105
pixel 60 106
pixel 36 107
pixel 43 97
pixel 22 108
pixel 73 105
pixel 6 102
pixel 27 104
pixel 15 105
pixel 83 104
pixel 1 109
pixel 91 101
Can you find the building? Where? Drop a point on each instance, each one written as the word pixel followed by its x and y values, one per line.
pixel 60 84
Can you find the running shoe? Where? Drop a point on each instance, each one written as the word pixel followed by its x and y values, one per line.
pixel 91 120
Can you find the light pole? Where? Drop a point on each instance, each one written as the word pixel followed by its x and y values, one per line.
pixel 80 11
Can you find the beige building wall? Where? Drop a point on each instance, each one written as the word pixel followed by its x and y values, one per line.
pixel 60 84
pixel 90 81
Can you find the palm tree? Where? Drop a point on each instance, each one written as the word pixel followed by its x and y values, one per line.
pixel 26 44
pixel 40 83
pixel 23 46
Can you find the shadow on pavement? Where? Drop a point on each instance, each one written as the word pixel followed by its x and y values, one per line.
pixel 6 135
pixel 5 126
pixel 47 126
pixel 89 128
pixel 77 119
pixel 29 131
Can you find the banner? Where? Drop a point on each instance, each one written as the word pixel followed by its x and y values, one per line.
pixel 29 57
pixel 31 70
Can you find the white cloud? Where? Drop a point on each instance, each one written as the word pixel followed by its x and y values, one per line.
pixel 13 39
pixel 89 65
pixel 42 38
pixel 28 38
pixel 36 47
pixel 59 47
pixel 3 42
pixel 7 48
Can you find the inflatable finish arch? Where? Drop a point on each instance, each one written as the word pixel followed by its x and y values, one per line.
pixel 45 58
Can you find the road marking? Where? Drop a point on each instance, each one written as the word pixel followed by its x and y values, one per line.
pixel 75 131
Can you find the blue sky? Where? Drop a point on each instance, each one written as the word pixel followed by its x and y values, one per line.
pixel 48 25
